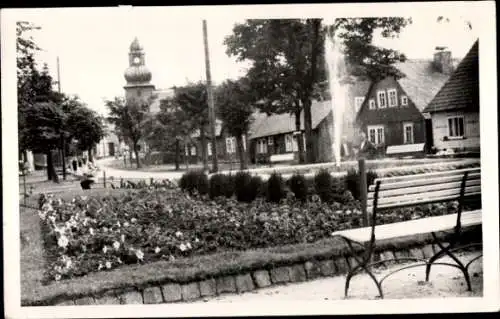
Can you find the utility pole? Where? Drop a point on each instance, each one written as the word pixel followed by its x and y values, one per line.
pixel 211 106
pixel 63 139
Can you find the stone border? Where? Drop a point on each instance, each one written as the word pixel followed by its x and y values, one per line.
pixel 241 283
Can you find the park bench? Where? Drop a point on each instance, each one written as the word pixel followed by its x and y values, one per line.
pixel 462 185
pixel 279 158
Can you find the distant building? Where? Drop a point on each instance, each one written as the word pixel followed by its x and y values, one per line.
pixel 454 111
pixel 391 113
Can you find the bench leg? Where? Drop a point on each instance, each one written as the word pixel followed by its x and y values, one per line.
pixel 446 251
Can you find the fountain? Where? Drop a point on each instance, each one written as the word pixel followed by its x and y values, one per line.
pixel 336 74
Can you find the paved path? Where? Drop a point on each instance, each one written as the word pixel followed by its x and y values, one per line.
pixel 103 164
pixel 444 282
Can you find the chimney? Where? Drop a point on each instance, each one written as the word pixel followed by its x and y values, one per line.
pixel 442 60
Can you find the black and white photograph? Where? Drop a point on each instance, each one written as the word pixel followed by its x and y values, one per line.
pixel 250 160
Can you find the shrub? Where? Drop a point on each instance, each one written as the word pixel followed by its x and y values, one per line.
pixel 194 180
pixel 298 185
pixel 221 185
pixel 352 181
pixel 323 185
pixel 246 186
pixel 275 188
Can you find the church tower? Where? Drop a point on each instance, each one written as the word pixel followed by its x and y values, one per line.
pixel 137 75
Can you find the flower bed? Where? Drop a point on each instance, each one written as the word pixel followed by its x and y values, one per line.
pixel 89 234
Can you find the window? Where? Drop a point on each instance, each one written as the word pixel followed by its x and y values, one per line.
pixel 270 140
pixel 288 143
pixel 376 134
pixel 358 101
pixel 230 145
pixel 382 99
pixel 193 150
pixel 209 149
pixel 404 100
pixel 408 133
pixel 261 146
pixel 393 97
pixel 371 104
pixel 295 144
pixel 456 127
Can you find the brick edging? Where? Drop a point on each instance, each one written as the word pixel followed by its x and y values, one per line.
pixel 241 283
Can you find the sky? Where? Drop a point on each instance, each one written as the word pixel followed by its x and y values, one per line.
pixel 93 43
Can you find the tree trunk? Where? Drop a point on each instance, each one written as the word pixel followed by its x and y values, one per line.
pixel 130 155
pixel 177 154
pixel 299 137
pixel 91 159
pixel 204 148
pixel 136 152
pixel 311 150
pixel 241 152
pixel 63 152
pixel 51 172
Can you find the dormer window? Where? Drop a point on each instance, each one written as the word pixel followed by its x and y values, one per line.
pixel 371 104
pixel 382 99
pixel 358 101
pixel 393 97
pixel 404 100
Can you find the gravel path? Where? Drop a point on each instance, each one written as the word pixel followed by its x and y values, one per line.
pixel 444 282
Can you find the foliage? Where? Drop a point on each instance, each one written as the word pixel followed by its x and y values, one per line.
pixel 298 185
pixel 323 185
pixel 275 188
pixel 221 185
pixel 352 181
pixel 235 101
pixel 246 186
pixel 195 181
pixel 100 233
pixel 192 99
pixel 129 118
pixel 287 60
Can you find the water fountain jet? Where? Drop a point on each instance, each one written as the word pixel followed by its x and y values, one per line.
pixel 336 76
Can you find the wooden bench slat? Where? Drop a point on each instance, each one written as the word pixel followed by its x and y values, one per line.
pixel 420 201
pixel 427 195
pixel 460 172
pixel 423 181
pixel 413 227
pixel 423 189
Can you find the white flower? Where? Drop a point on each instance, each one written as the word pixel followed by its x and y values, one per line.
pixel 171 258
pixel 85 221
pixel 139 254
pixel 104 249
pixel 100 266
pixel 52 218
pixel 196 240
pixel 133 220
pixel 91 230
pixel 57 277
pixel 42 214
pixel 63 241
pixel 118 224
pixel 157 249
pixel 182 247
pixel 178 234
pixel 188 245
pixel 105 229
pixel 116 245
pixel 119 260
pixel 125 224
pixel 122 238
pixel 108 265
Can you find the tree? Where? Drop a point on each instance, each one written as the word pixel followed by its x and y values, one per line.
pixel 129 119
pixel 167 128
pixel 235 107
pixel 83 125
pixel 288 60
pixel 192 99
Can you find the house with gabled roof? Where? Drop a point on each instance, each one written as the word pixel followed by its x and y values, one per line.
pixel 391 114
pixel 454 111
